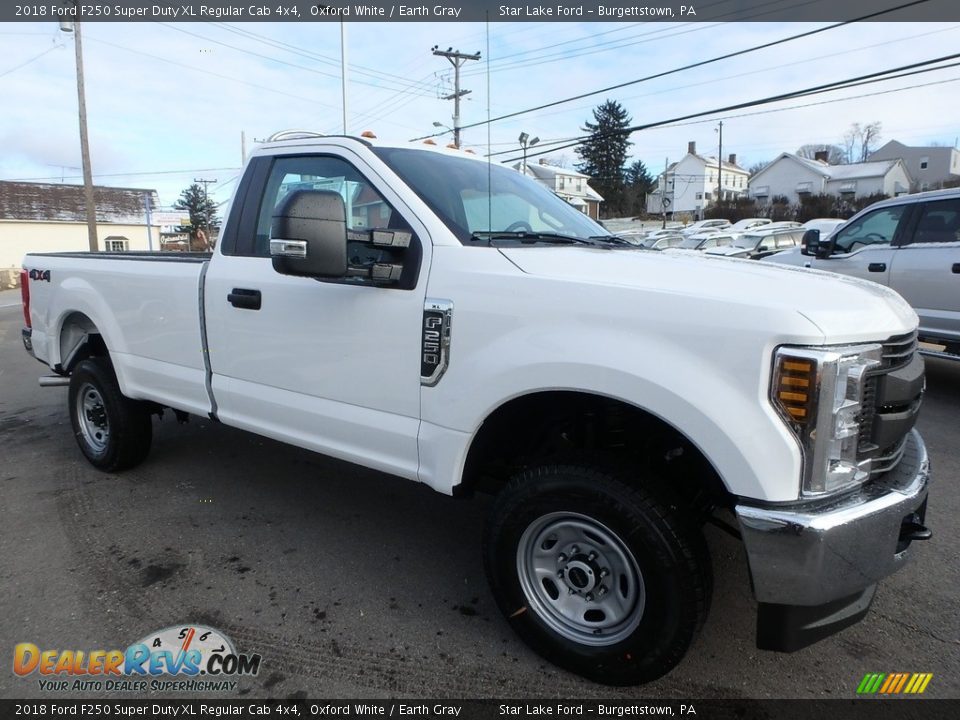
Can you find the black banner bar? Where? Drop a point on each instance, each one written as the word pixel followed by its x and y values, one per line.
pixel 415 709
pixel 478 11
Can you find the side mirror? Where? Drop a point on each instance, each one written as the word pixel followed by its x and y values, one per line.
pixel 763 248
pixel 310 235
pixel 810 243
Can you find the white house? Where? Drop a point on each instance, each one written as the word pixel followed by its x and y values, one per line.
pixel 690 185
pixel 46 217
pixel 570 185
pixel 792 177
pixel 929 167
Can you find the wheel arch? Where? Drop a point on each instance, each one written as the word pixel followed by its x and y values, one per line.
pixel 551 424
pixel 79 338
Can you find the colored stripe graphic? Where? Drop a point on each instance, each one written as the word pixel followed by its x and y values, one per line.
pixel 894 683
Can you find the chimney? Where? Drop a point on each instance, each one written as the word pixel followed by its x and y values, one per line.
pixel 733 159
pixel 692 147
pixel 543 161
pixel 821 155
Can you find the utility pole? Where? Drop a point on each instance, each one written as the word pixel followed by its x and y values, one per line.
pixel 664 201
pixel 720 165
pixel 457 59
pixel 206 206
pixel 74 27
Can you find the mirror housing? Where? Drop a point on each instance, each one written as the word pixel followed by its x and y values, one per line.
pixel 310 235
pixel 811 245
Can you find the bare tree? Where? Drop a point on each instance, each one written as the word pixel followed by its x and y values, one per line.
pixel 835 153
pixel 861 140
pixel 757 167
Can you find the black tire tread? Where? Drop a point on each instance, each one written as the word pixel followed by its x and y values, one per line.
pixel 668 518
pixel 131 429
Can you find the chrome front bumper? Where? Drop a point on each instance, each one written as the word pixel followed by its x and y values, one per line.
pixel 815 553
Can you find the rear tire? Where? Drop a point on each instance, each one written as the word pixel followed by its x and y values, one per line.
pixel 605 579
pixel 113 431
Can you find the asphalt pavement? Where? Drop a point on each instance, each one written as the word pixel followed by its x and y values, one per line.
pixel 350 583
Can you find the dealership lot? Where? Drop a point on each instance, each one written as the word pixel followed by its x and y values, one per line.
pixel 350 583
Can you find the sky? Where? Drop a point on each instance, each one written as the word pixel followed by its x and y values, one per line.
pixel 168 103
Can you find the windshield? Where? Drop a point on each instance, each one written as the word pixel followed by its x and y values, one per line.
pixel 691 243
pixel 473 198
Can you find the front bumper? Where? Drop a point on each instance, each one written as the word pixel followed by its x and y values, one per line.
pixel 820 561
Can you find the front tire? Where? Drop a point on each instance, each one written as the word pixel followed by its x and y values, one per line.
pixel 113 431
pixel 605 579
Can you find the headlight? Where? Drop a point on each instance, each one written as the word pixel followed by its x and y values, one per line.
pixel 819 394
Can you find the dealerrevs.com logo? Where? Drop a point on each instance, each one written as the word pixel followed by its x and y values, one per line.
pixel 178 658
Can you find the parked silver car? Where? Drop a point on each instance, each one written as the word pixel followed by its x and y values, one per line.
pixel 760 243
pixel 909 243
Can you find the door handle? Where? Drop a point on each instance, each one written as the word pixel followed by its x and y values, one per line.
pixel 956 268
pixel 244 298
pixel 877 267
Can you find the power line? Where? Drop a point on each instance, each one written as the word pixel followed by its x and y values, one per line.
pixel 272 59
pixel 691 66
pixel 27 62
pixel 210 72
pixel 815 90
pixel 129 174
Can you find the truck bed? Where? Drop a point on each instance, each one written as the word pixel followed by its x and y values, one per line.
pixel 146 306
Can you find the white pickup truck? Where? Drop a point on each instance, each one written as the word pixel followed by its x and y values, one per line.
pixel 420 311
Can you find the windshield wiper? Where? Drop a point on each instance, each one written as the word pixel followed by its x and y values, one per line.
pixel 612 240
pixel 527 236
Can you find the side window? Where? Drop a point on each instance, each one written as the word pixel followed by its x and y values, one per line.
pixel 787 240
pixel 365 210
pixel 877 227
pixel 939 222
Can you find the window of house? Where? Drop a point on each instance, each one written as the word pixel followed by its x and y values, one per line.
pixel 924 162
pixel 700 196
pixel 561 182
pixel 706 196
pixel 116 244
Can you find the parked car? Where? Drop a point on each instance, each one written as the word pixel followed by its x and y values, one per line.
pixel 701 225
pixel 911 244
pixel 758 244
pixel 706 241
pixel 826 226
pixel 741 226
pixel 662 242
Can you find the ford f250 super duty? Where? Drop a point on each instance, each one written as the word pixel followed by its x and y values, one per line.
pixel 428 314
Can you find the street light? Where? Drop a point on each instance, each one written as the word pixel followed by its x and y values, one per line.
pixel 74 27
pixel 525 142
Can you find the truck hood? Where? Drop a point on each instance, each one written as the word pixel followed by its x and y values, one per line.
pixel 843 309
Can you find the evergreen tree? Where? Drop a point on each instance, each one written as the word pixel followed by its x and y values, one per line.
pixel 604 155
pixel 203 213
pixel 639 182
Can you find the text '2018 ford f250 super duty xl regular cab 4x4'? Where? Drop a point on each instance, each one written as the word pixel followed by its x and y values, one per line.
pixel 425 313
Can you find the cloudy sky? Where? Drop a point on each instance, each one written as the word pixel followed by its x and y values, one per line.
pixel 167 103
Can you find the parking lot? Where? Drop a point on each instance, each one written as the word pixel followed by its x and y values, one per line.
pixel 350 583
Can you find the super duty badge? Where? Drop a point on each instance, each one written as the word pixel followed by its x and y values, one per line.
pixel 435 340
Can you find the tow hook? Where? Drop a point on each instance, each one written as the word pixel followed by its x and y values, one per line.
pixel 912 530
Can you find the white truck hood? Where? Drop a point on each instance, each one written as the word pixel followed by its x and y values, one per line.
pixel 844 309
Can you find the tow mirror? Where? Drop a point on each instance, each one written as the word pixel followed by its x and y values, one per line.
pixel 309 235
pixel 810 243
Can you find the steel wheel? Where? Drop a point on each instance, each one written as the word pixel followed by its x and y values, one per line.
pixel 580 578
pixel 92 418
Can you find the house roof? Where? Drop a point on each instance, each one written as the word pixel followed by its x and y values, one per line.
pixel 52 202
pixel 708 161
pixel 853 171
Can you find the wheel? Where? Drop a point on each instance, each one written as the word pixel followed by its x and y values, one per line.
pixel 113 431
pixel 606 580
